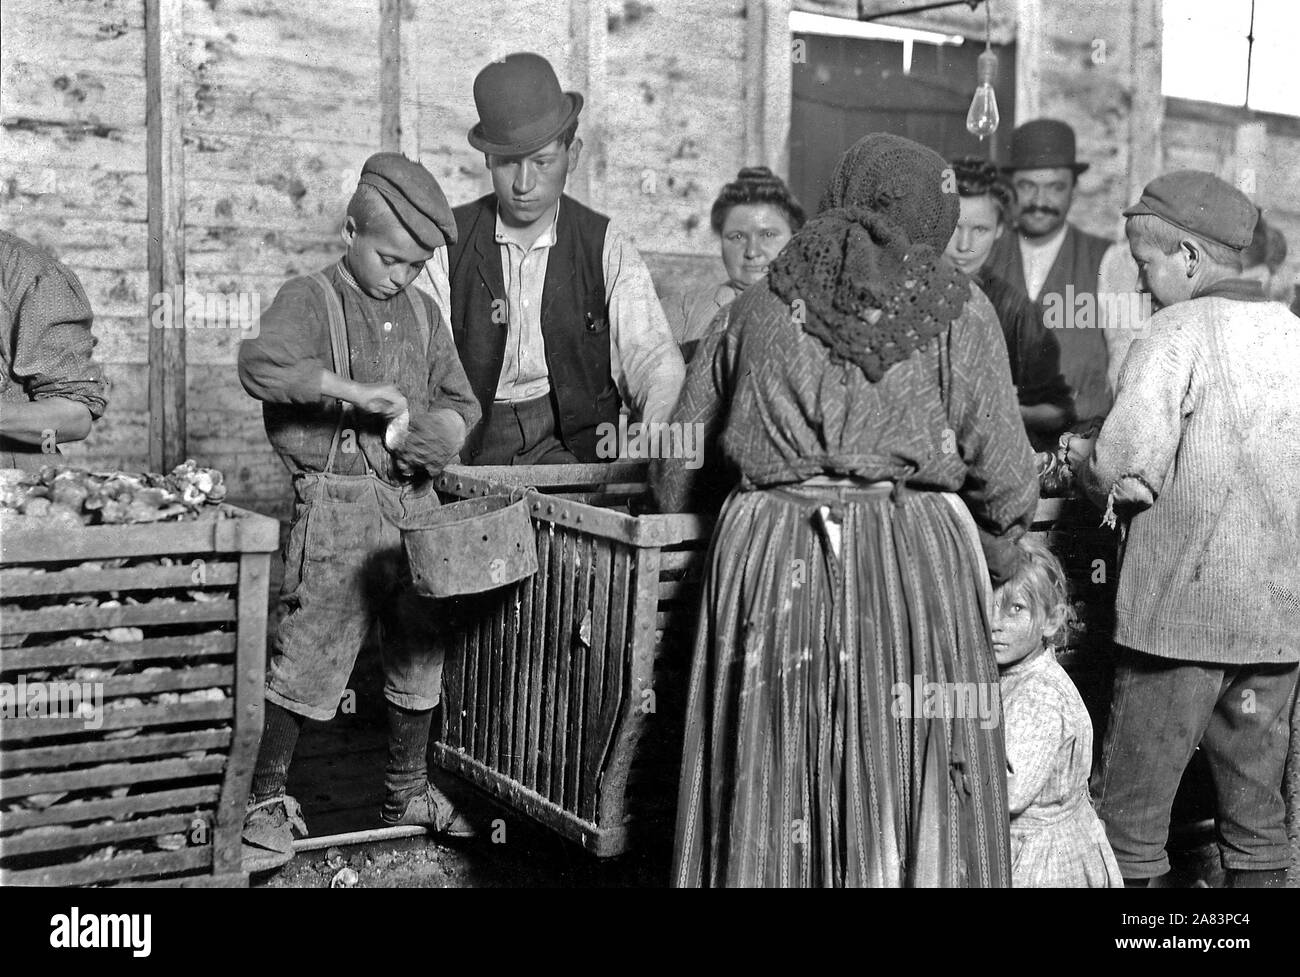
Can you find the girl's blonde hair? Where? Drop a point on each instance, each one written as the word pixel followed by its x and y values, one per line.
pixel 1042 581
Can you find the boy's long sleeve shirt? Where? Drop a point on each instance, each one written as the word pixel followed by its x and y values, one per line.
pixel 1207 417
pixel 281 366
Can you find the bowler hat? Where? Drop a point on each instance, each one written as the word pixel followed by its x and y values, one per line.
pixel 1201 203
pixel 1043 144
pixel 520 106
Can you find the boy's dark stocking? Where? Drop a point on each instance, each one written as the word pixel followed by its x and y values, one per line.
pixel 279 737
pixel 408 749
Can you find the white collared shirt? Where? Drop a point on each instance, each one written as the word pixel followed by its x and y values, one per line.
pixel 645 363
pixel 1037 259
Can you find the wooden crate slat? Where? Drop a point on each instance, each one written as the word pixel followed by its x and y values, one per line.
pixel 554 573
pixel 637 677
pixel 197 677
pixel 453 676
pixel 470 705
pixel 613 692
pixel 677 590
pixel 578 652
pixel 109 775
pixel 465 479
pixel 537 666
pixel 604 500
pixel 83 873
pixel 248 688
pixel 114 807
pixel 483 683
pixel 180 646
pixel 15 583
pixel 228 530
pixel 57 838
pixel 73 753
pixel 496 711
pixel 132 615
pixel 564 664
pixel 142 716
pixel 604 563
pixel 506 639
pixel 678 559
pixel 600 840
pixel 519 678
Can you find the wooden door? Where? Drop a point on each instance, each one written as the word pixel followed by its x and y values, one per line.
pixel 847 87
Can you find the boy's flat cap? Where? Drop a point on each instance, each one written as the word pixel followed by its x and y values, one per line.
pixel 1201 203
pixel 414 196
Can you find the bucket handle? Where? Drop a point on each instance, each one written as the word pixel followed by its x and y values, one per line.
pixel 516 494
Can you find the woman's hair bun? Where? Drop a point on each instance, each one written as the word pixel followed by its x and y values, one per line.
pixel 756 185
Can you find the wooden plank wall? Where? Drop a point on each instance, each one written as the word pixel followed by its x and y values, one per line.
pixel 281 106
pixel 72 170
pixel 285 110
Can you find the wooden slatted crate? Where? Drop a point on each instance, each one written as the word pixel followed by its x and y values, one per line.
pixel 561 690
pixel 565 693
pixel 180 666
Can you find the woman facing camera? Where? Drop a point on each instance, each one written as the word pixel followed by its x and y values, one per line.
pixel 861 393
pixel 754 216
pixel 987 203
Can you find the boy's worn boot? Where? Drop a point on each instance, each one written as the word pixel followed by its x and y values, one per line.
pixel 1268 878
pixel 409 797
pixel 268 832
pixel 431 808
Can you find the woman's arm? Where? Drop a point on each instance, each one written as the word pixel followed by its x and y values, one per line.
pixel 1001 487
pixel 706 397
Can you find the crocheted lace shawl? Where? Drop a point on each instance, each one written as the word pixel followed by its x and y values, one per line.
pixel 856 282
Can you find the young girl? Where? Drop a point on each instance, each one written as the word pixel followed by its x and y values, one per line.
pixel 1057 840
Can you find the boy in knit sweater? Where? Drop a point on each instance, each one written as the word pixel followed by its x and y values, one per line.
pixel 1200 459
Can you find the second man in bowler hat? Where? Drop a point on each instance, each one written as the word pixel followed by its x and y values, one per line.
pixel 1053 260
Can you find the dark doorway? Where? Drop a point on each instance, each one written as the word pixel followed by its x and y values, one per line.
pixel 848 87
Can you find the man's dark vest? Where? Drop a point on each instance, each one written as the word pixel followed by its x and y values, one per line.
pixel 575 321
pixel 1083 350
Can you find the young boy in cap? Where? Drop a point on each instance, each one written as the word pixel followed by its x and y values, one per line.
pixel 554 313
pixel 364 399
pixel 1201 453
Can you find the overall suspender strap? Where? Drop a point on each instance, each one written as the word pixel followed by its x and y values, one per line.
pixel 339 350
pixel 421 318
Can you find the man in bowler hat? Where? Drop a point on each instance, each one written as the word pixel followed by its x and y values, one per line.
pixel 1056 263
pixel 552 307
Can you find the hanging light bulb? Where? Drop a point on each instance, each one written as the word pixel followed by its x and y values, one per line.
pixel 982 119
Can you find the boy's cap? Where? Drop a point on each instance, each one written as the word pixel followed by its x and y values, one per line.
pixel 520 106
pixel 1201 203
pixel 414 196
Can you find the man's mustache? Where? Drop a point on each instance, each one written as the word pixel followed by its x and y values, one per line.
pixel 1051 211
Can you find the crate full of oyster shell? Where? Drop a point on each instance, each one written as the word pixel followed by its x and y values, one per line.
pixel 132 644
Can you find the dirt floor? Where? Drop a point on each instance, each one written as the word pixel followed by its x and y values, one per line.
pixel 337 777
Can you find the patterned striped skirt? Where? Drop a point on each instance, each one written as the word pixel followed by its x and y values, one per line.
pixel 811 758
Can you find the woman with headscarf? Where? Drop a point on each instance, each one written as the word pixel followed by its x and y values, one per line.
pixel 842 725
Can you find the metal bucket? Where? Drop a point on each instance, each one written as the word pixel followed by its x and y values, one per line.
pixel 470 547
